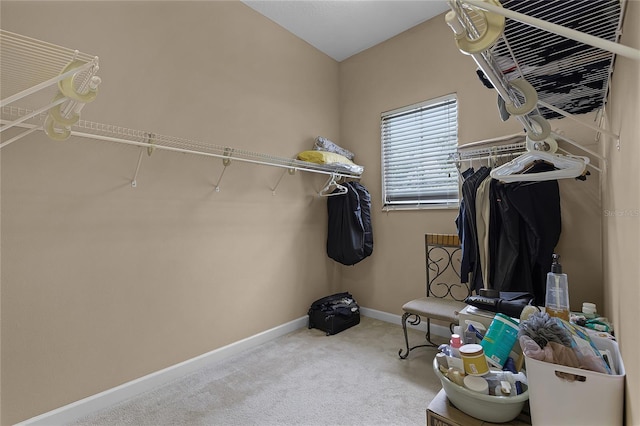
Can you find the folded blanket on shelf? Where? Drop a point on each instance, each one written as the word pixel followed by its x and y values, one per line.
pixel 338 161
pixel 324 144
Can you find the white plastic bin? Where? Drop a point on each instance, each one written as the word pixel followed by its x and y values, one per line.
pixel 598 400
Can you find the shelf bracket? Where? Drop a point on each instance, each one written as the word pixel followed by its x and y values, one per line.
pixel 150 149
pixel 226 161
pixel 291 171
pixel 134 181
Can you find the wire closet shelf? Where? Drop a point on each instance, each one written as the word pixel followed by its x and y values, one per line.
pixel 36 72
pixel 545 58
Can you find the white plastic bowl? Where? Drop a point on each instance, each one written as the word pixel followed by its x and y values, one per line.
pixel 496 409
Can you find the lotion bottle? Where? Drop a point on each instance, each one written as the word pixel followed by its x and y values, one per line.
pixel 557 295
pixel 455 344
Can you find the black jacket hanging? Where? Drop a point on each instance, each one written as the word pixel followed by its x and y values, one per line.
pixel 349 235
pixel 365 214
pixel 530 227
pixel 524 228
pixel 471 259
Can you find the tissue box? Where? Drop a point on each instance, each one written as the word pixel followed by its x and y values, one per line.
pixel 596 400
pixel 471 313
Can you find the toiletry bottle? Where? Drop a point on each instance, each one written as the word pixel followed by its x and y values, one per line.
pixel 455 344
pixel 445 349
pixel 557 296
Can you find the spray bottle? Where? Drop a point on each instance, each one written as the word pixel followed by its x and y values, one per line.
pixel 557 296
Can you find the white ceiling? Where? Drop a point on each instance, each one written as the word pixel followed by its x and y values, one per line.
pixel 342 28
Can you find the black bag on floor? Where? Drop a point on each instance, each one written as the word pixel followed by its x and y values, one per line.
pixel 335 313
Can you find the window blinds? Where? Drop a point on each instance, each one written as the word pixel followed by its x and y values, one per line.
pixel 416 145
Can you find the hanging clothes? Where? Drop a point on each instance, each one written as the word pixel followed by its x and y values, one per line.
pixel 350 234
pixel 460 220
pixel 482 225
pixel 470 267
pixel 535 224
pixel 365 213
pixel 510 230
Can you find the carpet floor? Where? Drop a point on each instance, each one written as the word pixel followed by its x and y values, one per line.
pixel 303 378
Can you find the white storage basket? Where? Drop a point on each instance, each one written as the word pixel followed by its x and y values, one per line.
pixel 598 400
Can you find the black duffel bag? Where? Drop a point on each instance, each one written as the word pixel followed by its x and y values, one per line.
pixel 335 313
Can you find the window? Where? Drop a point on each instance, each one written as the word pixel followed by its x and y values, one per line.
pixel 417 141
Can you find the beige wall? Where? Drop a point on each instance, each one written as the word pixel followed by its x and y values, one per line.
pixel 420 64
pixel 0 288
pixel 103 283
pixel 621 211
pixel 426 64
pixel 412 67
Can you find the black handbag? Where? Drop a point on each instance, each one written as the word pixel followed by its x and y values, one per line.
pixel 510 303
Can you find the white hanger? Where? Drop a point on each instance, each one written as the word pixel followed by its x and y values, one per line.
pixel 331 186
pixel 567 166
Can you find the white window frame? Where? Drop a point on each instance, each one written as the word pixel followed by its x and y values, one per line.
pixel 417 142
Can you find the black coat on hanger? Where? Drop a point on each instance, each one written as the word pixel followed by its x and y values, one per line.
pixel 470 258
pixel 529 229
pixel 350 235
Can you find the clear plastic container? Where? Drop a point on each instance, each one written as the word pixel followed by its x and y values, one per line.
pixel 557 295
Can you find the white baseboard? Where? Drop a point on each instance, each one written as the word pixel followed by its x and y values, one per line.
pixel 76 410
pixel 438 330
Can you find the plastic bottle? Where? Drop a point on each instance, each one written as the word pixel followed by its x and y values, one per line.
pixel 455 344
pixel 442 360
pixel 445 349
pixel 589 310
pixel 505 383
pixel 503 389
pixel 557 296
pixel 452 361
pixel 469 337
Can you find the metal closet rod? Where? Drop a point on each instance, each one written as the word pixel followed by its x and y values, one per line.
pixel 490 148
pixel 487 157
pixel 582 122
pixel 153 141
pixel 461 154
pixel 594 41
pixel 512 143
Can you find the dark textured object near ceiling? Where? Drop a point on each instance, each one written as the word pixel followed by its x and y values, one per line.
pixel 567 74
